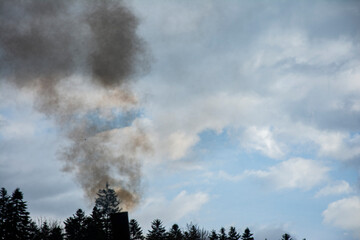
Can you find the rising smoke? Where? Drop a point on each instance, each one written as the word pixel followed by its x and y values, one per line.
pixel 78 57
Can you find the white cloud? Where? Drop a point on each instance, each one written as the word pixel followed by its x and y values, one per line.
pixel 172 210
pixel 341 187
pixel 335 144
pixel 345 214
pixel 294 173
pixel 262 139
pixel 173 135
pixel 180 143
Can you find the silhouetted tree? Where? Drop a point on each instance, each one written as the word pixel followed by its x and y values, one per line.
pixel 175 233
pixel 286 237
pixel 18 217
pixel 45 231
pixel 222 235
pixel 56 232
pixel 107 203
pixel 75 226
pixel 213 235
pixel 34 231
pixel 192 232
pixel 233 234
pixel 4 214
pixel 157 231
pixel 95 226
pixel 247 235
pixel 135 230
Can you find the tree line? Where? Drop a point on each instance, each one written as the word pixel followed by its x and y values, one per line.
pixel 16 224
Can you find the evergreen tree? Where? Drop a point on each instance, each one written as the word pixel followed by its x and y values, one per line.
pixel 135 230
pixel 18 218
pixel 157 231
pixel 75 226
pixel 247 235
pixel 192 232
pixel 175 233
pixel 213 235
pixel 222 235
pixel 45 231
pixel 107 203
pixel 95 226
pixel 56 233
pixel 34 231
pixel 233 234
pixel 4 214
pixel 286 237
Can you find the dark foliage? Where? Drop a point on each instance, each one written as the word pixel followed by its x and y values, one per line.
pixel 157 231
pixel 233 234
pixel 75 226
pixel 213 235
pixel 286 237
pixel 175 233
pixel 222 235
pixel 247 235
pixel 56 233
pixel 4 213
pixel 14 217
pixel 107 203
pixel 45 231
pixel 135 230
pixel 95 225
pixel 192 233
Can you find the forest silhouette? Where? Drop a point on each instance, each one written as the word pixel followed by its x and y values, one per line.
pixel 16 224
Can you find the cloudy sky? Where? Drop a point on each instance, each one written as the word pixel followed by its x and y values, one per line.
pixel 250 111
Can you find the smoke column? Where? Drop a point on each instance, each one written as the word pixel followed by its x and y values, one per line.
pixel 78 57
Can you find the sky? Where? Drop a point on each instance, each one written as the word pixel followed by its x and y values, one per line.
pixel 244 113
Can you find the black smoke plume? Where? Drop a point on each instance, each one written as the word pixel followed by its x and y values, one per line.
pixel 79 58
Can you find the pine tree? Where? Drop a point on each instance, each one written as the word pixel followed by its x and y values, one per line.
pixel 233 234
pixel 175 233
pixel 56 233
pixel 45 231
pixel 75 226
pixel 95 226
pixel 222 235
pixel 247 235
pixel 19 220
pixel 213 235
pixel 4 214
pixel 192 233
pixel 157 231
pixel 34 231
pixel 286 237
pixel 107 203
pixel 135 230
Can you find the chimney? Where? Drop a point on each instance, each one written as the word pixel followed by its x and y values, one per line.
pixel 120 226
